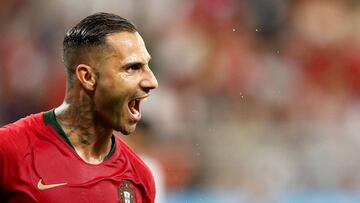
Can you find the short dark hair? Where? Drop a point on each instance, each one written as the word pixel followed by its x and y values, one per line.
pixel 90 33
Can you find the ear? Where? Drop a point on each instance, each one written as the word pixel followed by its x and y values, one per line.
pixel 86 76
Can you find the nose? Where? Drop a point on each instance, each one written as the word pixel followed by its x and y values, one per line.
pixel 149 81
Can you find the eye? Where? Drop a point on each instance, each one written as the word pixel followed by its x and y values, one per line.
pixel 134 67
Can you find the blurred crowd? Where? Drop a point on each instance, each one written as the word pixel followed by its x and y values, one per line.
pixel 259 100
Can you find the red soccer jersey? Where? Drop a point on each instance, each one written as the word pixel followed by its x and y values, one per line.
pixel 39 164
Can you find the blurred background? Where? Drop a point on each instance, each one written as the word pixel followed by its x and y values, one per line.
pixel 259 100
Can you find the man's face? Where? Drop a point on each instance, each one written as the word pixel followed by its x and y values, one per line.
pixel 125 79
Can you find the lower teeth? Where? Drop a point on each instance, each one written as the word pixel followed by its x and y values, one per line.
pixel 133 110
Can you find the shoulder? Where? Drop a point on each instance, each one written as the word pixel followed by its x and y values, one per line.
pixel 21 126
pixel 142 171
pixel 15 136
pixel 132 156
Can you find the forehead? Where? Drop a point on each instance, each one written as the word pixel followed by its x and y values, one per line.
pixel 128 47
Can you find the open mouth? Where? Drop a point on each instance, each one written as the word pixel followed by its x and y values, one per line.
pixel 134 107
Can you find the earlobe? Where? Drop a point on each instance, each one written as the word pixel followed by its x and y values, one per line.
pixel 86 76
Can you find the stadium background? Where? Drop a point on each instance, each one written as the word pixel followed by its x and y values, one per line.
pixel 259 100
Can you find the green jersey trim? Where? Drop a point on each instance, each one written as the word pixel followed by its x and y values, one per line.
pixel 50 118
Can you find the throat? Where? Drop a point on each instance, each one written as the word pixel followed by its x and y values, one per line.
pixel 94 152
pixel 90 140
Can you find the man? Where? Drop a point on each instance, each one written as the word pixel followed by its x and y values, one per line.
pixel 69 154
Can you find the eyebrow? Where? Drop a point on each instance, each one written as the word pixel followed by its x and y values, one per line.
pixel 135 63
pixel 132 64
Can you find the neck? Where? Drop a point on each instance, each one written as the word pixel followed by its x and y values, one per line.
pixel 77 117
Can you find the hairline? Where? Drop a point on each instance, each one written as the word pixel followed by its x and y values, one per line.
pixel 93 51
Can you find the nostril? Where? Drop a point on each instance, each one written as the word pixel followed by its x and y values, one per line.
pixel 150 82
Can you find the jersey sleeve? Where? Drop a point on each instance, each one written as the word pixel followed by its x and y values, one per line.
pixel 1 173
pixel 152 187
pixel 3 132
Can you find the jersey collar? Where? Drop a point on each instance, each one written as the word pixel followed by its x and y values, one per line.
pixel 50 118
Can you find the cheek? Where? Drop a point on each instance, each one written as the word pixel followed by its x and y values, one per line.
pixel 109 95
pixel 110 108
pixel 110 98
pixel 129 78
pixel 124 76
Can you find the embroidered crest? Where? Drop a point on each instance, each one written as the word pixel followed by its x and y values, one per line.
pixel 126 193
